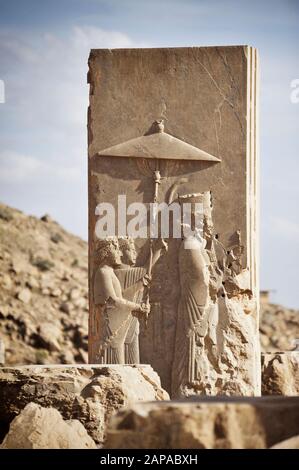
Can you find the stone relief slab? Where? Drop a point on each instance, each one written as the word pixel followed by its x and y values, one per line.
pixel 176 126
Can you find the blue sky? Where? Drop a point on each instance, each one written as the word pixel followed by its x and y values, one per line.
pixel 44 48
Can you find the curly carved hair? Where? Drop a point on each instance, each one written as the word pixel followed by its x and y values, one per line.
pixel 126 243
pixel 103 250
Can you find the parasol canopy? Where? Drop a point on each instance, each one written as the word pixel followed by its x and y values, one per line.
pixel 158 145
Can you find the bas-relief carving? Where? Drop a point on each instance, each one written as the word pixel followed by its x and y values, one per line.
pixel 112 311
pixel 121 299
pixel 132 280
pixel 135 286
pixel 192 319
pixel 212 332
pixel 157 144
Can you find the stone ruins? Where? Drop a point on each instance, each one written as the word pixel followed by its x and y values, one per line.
pixel 173 275
pixel 178 126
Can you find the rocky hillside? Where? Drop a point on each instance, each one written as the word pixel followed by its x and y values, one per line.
pixel 279 327
pixel 43 291
pixel 44 296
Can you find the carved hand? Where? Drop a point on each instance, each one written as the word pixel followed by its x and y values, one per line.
pixel 145 308
pixel 142 311
pixel 147 279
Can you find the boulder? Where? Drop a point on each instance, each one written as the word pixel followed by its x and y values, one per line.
pixel 44 428
pixel 88 393
pixel 205 423
pixel 48 336
pixel 280 373
pixel 24 295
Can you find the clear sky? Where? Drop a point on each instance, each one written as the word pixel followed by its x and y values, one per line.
pixel 44 47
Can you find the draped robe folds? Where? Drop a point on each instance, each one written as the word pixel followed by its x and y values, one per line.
pixel 115 325
pixel 191 320
pixel 131 281
pixel 111 320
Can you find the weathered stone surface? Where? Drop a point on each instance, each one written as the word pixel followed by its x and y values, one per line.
pixel 44 428
pixel 87 393
pixel 178 125
pixel 280 373
pixel 24 295
pixel 292 443
pixel 19 323
pixel 49 336
pixel 205 423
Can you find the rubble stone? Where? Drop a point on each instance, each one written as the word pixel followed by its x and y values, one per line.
pixel 280 373
pixel 88 393
pixel 44 428
pixel 25 296
pixel 205 423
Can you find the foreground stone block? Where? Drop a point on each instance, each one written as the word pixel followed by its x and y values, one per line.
pixel 87 393
pixel 280 373
pixel 44 428
pixel 207 423
pixel 292 443
pixel 176 126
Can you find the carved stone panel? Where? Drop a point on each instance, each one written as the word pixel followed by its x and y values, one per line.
pixel 175 126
